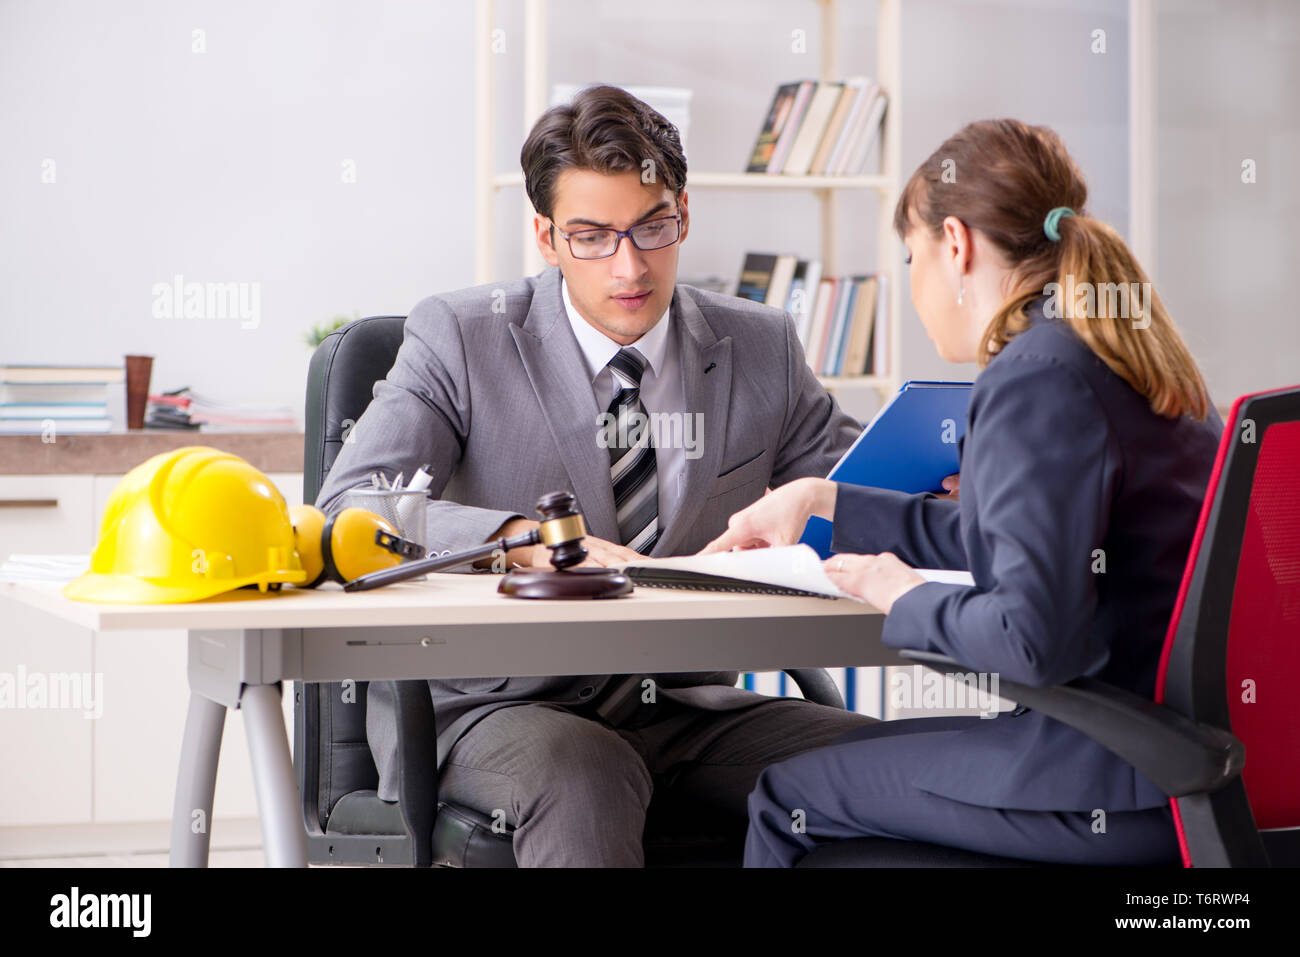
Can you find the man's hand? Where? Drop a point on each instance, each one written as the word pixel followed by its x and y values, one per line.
pixel 600 553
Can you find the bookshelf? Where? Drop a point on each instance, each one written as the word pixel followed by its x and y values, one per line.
pixel 826 190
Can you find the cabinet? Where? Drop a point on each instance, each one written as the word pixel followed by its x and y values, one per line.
pixel 120 766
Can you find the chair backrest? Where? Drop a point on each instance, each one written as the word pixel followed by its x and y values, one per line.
pixel 340 384
pixel 1233 645
pixel 331 754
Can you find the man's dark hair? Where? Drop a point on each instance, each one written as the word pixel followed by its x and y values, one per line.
pixel 604 129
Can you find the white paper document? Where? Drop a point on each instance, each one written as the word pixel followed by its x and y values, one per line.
pixel 789 566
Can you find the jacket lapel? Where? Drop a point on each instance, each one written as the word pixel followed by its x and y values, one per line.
pixel 706 392
pixel 555 367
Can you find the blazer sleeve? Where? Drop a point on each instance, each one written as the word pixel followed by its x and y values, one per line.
pixel 419 414
pixel 923 530
pixel 1043 465
pixel 816 431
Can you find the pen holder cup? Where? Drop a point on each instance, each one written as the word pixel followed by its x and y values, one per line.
pixel 401 508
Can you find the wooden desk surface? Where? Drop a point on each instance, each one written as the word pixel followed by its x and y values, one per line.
pixel 444 598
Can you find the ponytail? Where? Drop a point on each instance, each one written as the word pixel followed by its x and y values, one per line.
pixel 1101 290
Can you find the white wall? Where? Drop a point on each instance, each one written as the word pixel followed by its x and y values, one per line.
pixel 225 165
pixel 1228 90
pixel 1028 60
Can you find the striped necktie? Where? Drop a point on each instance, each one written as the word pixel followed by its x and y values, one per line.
pixel 632 457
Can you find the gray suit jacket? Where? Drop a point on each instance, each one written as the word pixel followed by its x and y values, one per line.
pixel 490 386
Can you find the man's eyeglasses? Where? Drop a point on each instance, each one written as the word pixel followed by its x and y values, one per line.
pixel 602 243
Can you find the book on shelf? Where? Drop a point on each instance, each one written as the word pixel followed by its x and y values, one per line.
pixel 186 409
pixel 778 291
pixel 843 309
pixel 838 124
pixel 74 398
pixel 839 321
pixel 802 97
pixel 846 316
pixel 819 128
pixel 778 115
pixel 65 426
pixel 812 128
pixel 803 295
pixel 54 410
pixel 852 151
pixel 18 373
pixel 826 293
pixel 756 276
pixel 878 360
pixel 857 339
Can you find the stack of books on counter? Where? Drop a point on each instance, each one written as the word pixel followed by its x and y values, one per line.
pixel 840 321
pixel 187 409
pixel 819 129
pixel 67 399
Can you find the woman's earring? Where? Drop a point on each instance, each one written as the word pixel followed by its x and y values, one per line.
pixel 961 295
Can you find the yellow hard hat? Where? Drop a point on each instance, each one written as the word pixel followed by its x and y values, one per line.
pixel 186 525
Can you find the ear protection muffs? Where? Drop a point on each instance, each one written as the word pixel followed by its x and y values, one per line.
pixel 346 545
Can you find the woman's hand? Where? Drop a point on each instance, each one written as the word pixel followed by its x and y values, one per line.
pixel 778 518
pixel 953 484
pixel 879 580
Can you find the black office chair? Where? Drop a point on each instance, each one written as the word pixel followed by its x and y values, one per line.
pixel 1222 736
pixel 346 821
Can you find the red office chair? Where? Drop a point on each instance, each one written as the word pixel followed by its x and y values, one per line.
pixel 1222 737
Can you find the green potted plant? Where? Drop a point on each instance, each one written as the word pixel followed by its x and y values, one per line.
pixel 317 333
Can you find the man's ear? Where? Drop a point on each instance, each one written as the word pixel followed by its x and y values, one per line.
pixel 686 217
pixel 545 243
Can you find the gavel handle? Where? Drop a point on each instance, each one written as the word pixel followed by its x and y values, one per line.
pixel 437 563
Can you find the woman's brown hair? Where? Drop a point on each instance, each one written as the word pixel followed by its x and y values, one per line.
pixel 1002 177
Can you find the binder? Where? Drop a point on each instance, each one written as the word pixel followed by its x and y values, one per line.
pixel 910 446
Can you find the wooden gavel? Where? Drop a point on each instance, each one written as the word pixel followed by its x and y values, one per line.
pixel 561 529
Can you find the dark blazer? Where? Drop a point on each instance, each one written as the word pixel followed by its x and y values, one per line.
pixel 1064 469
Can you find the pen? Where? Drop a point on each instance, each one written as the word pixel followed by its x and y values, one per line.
pixel 422 478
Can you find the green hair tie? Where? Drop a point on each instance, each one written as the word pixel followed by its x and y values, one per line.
pixel 1053 220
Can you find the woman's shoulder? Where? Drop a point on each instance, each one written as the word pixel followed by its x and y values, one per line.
pixel 1052 338
pixel 1048 352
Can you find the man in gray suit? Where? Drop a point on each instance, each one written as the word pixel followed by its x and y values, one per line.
pixel 664 409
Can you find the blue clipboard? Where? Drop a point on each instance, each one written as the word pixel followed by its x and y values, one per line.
pixel 910 446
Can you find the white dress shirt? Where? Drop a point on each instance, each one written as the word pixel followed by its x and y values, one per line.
pixel 661 390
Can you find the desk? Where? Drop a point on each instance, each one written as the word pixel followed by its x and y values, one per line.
pixel 449 625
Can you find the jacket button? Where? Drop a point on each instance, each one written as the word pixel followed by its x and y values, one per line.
pixel 586 692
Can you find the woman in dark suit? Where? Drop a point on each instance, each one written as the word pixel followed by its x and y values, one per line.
pixel 1090 439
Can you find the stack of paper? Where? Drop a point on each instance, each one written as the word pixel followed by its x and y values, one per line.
pixel 43 568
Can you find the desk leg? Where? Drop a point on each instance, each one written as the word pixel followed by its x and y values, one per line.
pixel 283 835
pixel 196 782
